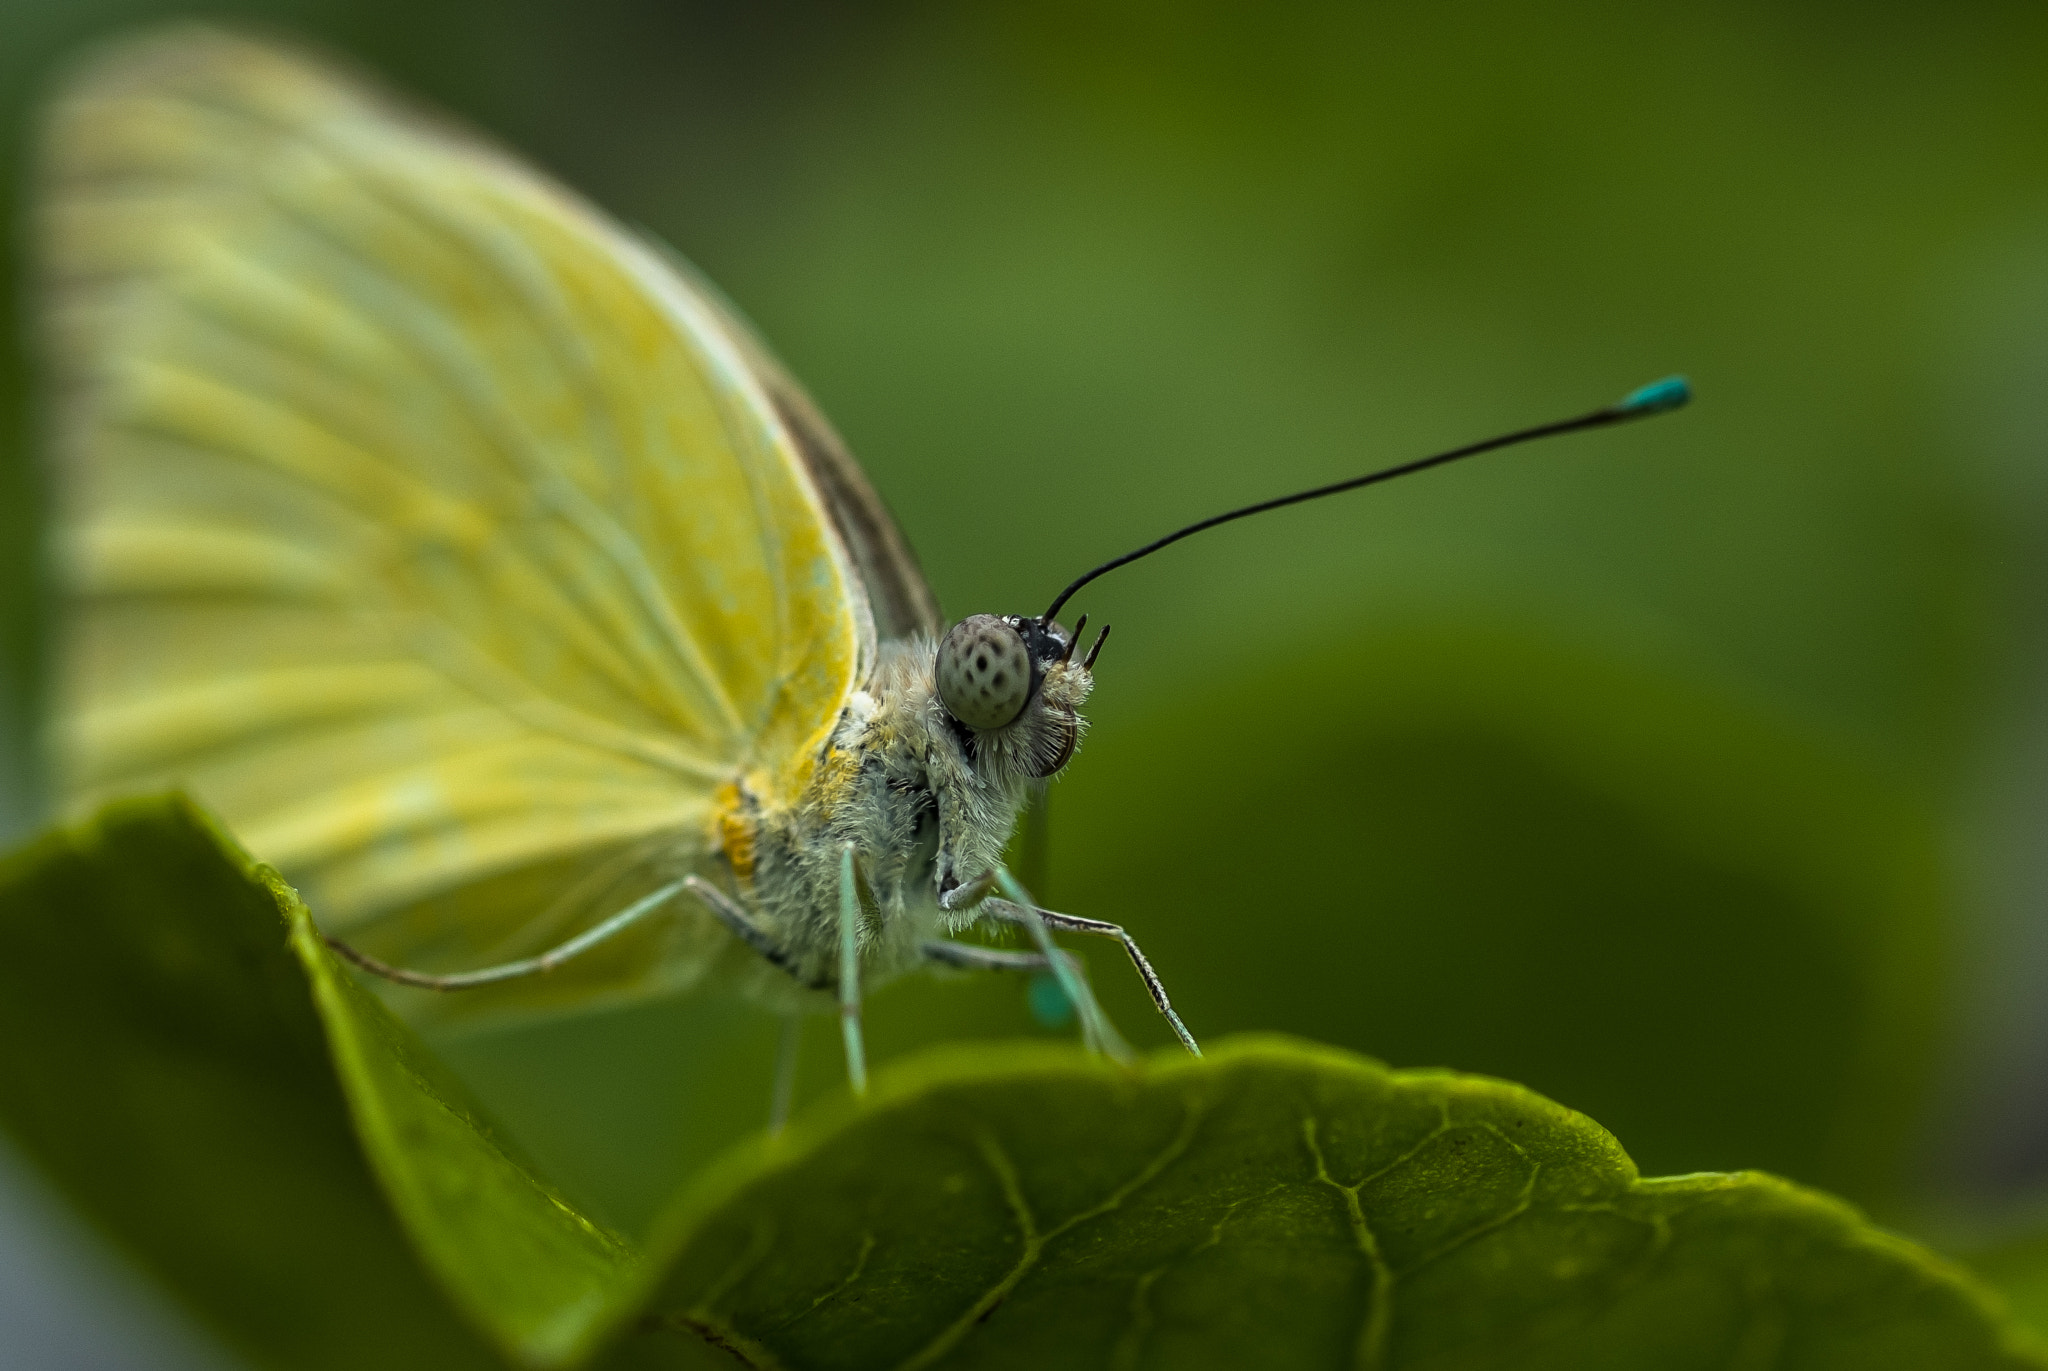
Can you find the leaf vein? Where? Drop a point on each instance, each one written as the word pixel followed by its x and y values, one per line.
pixel 1379 1314
pixel 1034 1241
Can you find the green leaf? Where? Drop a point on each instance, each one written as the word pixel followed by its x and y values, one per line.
pixel 164 1064
pixel 195 1070
pixel 1278 1204
pixel 525 1265
pixel 169 978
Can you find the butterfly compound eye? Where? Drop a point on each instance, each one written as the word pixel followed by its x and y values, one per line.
pixel 984 672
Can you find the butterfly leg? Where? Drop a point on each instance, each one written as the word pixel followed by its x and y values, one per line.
pixel 728 912
pixel 1096 1030
pixel 1018 910
pixel 972 957
pixel 849 973
pixel 512 971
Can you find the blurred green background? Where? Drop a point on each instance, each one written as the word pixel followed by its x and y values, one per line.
pixel 1694 774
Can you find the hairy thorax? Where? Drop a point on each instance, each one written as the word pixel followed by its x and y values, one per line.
pixel 927 804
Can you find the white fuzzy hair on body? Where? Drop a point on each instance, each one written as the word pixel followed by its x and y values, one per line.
pixel 928 805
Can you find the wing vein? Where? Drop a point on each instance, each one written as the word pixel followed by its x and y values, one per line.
pixel 457 366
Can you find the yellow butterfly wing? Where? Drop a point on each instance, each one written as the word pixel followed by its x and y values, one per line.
pixel 436 532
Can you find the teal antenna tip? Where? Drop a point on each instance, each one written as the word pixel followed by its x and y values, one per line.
pixel 1657 397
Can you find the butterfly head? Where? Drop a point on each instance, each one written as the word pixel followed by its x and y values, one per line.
pixel 1015 679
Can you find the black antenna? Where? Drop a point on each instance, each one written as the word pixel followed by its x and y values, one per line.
pixel 1656 398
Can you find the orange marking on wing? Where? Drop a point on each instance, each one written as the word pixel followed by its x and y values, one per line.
pixel 736 829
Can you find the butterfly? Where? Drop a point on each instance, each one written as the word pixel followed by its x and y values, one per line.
pixel 472 558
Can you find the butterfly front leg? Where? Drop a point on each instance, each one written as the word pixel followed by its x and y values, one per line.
pixel 1096 1027
pixel 1019 911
